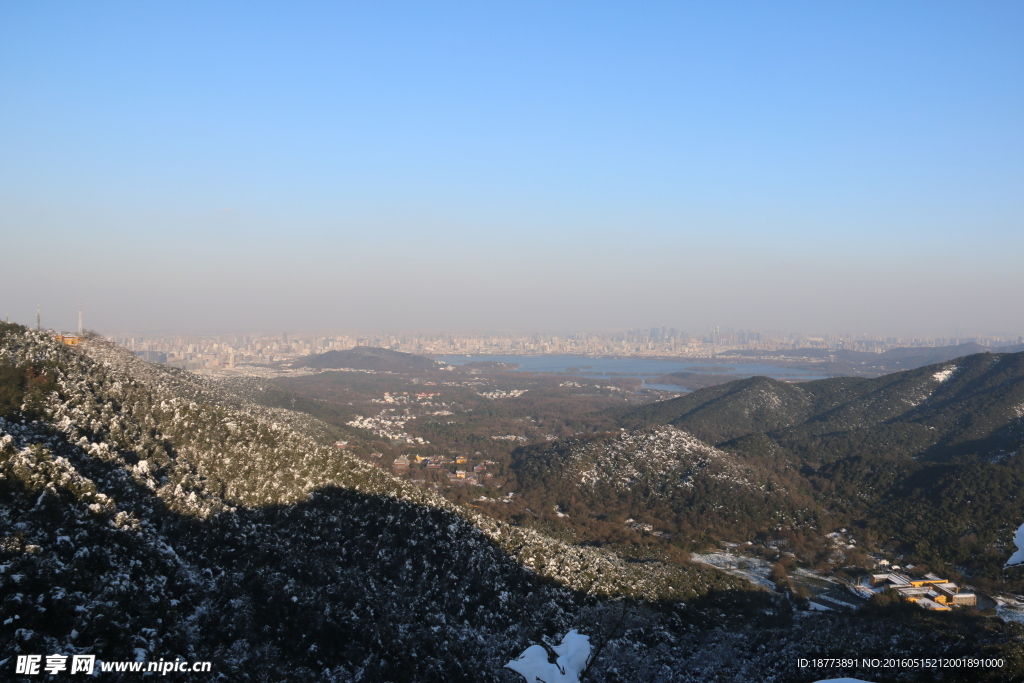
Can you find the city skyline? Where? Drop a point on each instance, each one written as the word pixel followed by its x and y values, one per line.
pixel 271 355
pixel 890 339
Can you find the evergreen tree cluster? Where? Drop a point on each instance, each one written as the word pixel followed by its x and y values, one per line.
pixel 147 513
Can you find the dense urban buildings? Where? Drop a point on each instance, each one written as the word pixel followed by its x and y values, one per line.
pixel 250 352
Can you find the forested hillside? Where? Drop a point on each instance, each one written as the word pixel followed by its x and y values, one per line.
pixel 927 460
pixel 659 479
pixel 147 513
pixel 971 405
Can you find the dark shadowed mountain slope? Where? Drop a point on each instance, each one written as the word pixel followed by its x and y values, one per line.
pixel 369 358
pixel 147 513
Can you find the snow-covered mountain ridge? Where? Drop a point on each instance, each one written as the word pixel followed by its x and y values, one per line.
pixel 665 478
pixel 663 457
pixel 202 450
pixel 146 513
pixel 967 405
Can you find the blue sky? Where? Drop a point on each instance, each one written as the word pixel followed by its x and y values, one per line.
pixel 819 166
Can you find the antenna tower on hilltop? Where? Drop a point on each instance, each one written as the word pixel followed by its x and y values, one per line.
pixel 39 318
pixel 79 316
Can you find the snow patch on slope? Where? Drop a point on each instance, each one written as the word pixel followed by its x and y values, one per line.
pixel 944 374
pixel 573 656
pixel 1008 613
pixel 117 409
pixel 669 456
pixel 1018 557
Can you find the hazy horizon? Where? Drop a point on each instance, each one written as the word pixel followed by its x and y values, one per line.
pixel 583 166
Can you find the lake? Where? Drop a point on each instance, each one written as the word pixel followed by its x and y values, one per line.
pixel 638 368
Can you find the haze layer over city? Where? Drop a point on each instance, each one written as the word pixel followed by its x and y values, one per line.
pixel 451 168
pixel 273 354
pixel 512 341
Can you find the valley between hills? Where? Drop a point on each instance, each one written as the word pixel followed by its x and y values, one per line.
pixel 391 518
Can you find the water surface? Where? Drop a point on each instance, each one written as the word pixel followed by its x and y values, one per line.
pixel 638 368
